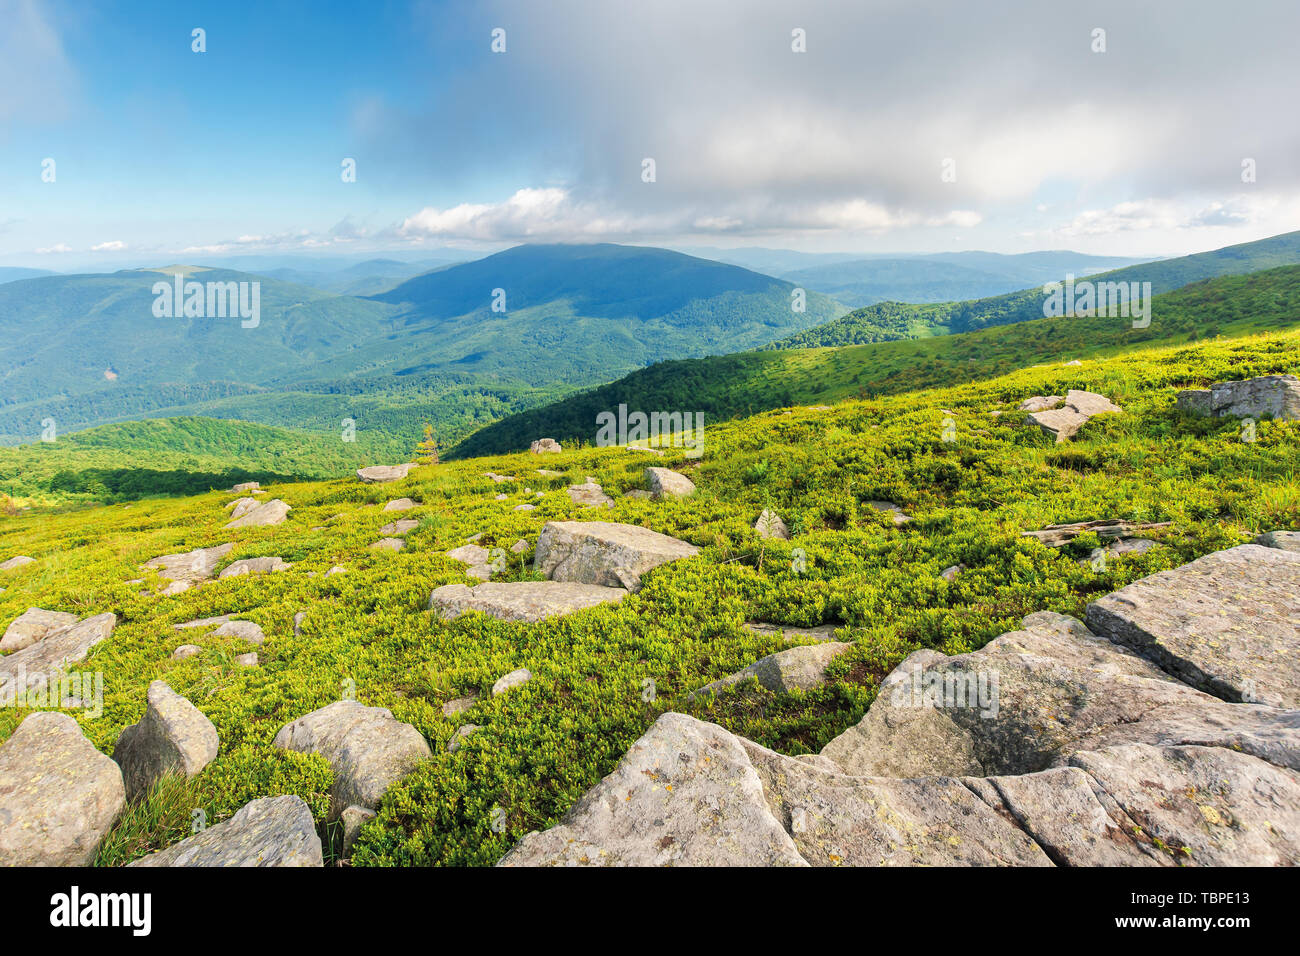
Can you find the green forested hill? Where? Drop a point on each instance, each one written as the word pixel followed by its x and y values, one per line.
pixel 889 321
pixel 178 456
pixel 732 385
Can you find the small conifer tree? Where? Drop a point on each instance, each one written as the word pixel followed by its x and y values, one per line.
pixel 426 453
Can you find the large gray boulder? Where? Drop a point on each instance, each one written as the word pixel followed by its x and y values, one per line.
pixel 34 624
pixel 241 506
pixel 367 748
pixel 33 666
pixel 795 668
pixel 173 737
pixel 1227 623
pixel 666 483
pixel 272 831
pixel 382 474
pixel 604 553
pixel 527 601
pixel 544 446
pixel 1273 396
pixel 59 796
pixel 689 793
pixel 1064 422
pixel 190 567
pixel 266 513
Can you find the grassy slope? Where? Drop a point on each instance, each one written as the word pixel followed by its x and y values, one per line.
pixel 176 456
pixel 545 743
pixel 744 383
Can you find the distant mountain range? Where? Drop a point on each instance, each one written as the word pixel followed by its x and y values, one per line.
pixel 87 349
pixel 13 273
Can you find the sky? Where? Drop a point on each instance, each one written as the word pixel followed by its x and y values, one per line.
pixel 910 126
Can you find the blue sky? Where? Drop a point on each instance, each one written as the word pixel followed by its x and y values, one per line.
pixel 163 154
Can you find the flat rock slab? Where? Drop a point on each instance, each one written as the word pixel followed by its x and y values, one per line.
pixel 58 794
pixel 1227 623
pixel 822 632
pixel 1064 422
pixel 796 668
pixel 665 483
pixel 388 544
pixel 604 553
pixel 272 831
pixel 34 666
pixel 381 474
pixel 1274 396
pixel 173 737
pixel 34 624
pixel 203 622
pixel 527 601
pixel 399 527
pixel 400 504
pixel 17 561
pixel 243 630
pixel 255 566
pixel 267 513
pixel 590 495
pixel 367 748
pixel 190 566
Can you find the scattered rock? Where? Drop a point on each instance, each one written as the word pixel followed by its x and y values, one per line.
pixel 191 567
pixel 367 748
pixel 16 562
pixel 524 508
pixel 389 544
pixel 272 831
pixel 548 473
pixel 60 795
pixel 400 504
pixel 243 630
pixel 173 737
pixel 382 474
pixel 544 445
pixel 353 819
pixel 590 495
pixel 298 620
pixel 519 547
pixel 34 624
pixel 31 667
pixel 500 497
pixel 1284 540
pixel 667 483
pixel 186 651
pixel 202 622
pixel 637 493
pixel 527 601
pixel 950 574
pixel 1273 396
pixel 255 566
pixel 400 527
pixel 795 668
pixel 459 737
pixel 822 632
pixel 498 478
pixel 769 525
pixel 337 569
pixel 266 513
pixel 512 680
pixel 247 660
pixel 894 511
pixel 595 552
pixel 1062 423
pixel 1055 535
pixel 1227 623
pixel 241 506
pixel 1040 403
pixel 246 486
pixel 459 705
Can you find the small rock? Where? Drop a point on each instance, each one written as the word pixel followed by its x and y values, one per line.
pixel 297 623
pixel 544 445
pixel 590 495
pixel 796 668
pixel 667 483
pixel 267 513
pixel 459 705
pixel 243 630
pixel 399 527
pixel 189 567
pixel 337 569
pixel 524 508
pixel 894 511
pixel 769 525
pixel 382 474
pixel 254 566
pixel 519 547
pixel 186 651
pixel 246 486
pixel 950 574
pixel 16 562
pixel 399 504
pixel 459 737
pixel 202 622
pixel 173 737
pixel 389 544
pixel 247 660
pixel 353 819
pixel 511 681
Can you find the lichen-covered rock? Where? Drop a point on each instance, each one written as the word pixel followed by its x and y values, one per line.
pixel 1064 422
pixel 544 446
pixel 594 552
pixel 1273 396
pixel 1283 540
pixel 33 665
pixel 400 504
pixel 1227 623
pixel 34 624
pixel 527 601
pixel 243 630
pixel 382 474
pixel 263 565
pixel 267 513
pixel 590 495
pixel 173 737
pixel 795 668
pixel 241 506
pixel 665 483
pixel 367 748
pixel 59 795
pixel 400 527
pixel 272 831
pixel 770 525
pixel 190 567
pixel 388 544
